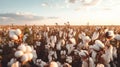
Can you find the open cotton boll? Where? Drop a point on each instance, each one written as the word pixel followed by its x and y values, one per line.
pixel 95 35
pixel 30 56
pixel 22 47
pixel 100 65
pixel 117 37
pixel 18 54
pixel 83 53
pixel 96 47
pixel 18 32
pixel 11 31
pixel 13 37
pixel 53 64
pixel 81 35
pixel 28 49
pixel 24 58
pixel 110 33
pixel 73 40
pixel 86 39
pixel 99 43
pixel 69 59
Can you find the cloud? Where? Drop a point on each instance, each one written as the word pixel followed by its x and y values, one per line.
pixel 90 2
pixel 44 4
pixel 22 18
pixel 72 1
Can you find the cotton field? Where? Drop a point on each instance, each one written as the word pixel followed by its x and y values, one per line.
pixel 59 46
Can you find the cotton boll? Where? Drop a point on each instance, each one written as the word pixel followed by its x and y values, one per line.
pixel 18 54
pixel 24 58
pixel 12 34
pixel 22 47
pixel 30 56
pixel 86 39
pixel 69 59
pixel 11 31
pixel 100 65
pixel 18 32
pixel 81 35
pixel 95 47
pixel 73 40
pixel 111 33
pixel 99 43
pixel 14 37
pixel 95 35
pixel 117 37
pixel 28 49
pixel 53 64
pixel 83 53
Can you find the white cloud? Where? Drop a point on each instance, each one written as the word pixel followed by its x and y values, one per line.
pixel 44 4
pixel 22 18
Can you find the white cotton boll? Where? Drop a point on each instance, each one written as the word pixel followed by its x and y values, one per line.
pixel 95 35
pixel 11 31
pixel 114 52
pixel 53 64
pixel 69 59
pixel 99 43
pixel 93 55
pixel 15 64
pixel 91 62
pixel 117 37
pixel 62 42
pixel 105 30
pixel 24 58
pixel 110 33
pixel 22 47
pixel 100 65
pixel 18 32
pixel 73 40
pixel 30 56
pixel 81 35
pixel 52 44
pixel 12 34
pixel 96 47
pixel 18 54
pixel 11 61
pixel 86 39
pixel 58 46
pixel 28 49
pixel 83 53
pixel 14 37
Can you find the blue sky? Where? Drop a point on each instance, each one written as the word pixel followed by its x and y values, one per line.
pixel 77 12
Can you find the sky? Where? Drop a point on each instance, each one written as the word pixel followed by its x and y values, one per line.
pixel 49 12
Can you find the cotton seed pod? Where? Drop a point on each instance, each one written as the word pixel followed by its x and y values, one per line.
pixel 30 56
pixel 86 39
pixel 73 40
pixel 13 37
pixel 53 64
pixel 28 49
pixel 83 53
pixel 96 47
pixel 95 35
pixel 117 37
pixel 22 47
pixel 18 54
pixel 18 32
pixel 24 58
pixel 99 43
